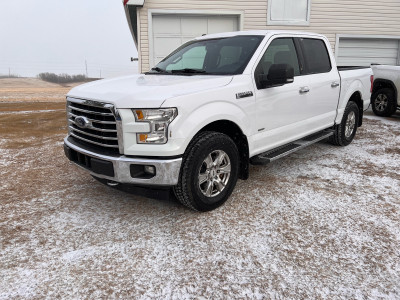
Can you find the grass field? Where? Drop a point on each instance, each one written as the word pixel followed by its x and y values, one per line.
pixel 32 90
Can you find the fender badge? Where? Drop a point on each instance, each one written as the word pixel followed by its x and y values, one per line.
pixel 244 95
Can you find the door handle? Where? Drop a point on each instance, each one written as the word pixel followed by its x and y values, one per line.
pixel 335 84
pixel 304 90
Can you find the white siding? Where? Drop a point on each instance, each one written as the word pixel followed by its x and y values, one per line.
pixel 327 17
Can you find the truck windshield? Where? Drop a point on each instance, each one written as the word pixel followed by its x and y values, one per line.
pixel 222 56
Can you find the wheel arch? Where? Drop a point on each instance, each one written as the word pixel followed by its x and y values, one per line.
pixel 356 97
pixel 232 121
pixel 380 83
pixel 352 93
pixel 232 130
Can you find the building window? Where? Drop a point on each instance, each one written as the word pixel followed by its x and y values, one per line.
pixel 289 12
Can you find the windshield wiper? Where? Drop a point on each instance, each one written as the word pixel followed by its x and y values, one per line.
pixel 159 70
pixel 188 71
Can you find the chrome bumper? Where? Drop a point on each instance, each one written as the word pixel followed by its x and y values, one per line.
pixel 167 170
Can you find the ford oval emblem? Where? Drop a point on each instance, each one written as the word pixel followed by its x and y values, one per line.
pixel 82 122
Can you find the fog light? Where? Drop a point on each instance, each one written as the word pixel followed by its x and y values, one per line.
pixel 150 170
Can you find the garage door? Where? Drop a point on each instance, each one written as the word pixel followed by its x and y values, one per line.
pixel 363 52
pixel 171 31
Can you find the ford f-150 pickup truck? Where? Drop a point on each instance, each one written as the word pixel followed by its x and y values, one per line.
pixel 216 104
pixel 385 100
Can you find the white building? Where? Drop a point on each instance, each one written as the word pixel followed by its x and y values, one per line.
pixel 361 32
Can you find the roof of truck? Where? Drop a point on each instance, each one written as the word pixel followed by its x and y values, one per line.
pixel 258 32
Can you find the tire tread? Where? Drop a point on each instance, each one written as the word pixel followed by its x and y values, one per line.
pixel 337 138
pixel 180 189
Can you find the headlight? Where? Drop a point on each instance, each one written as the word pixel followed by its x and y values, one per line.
pixel 158 119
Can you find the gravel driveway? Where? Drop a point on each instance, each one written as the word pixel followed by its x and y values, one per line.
pixel 321 223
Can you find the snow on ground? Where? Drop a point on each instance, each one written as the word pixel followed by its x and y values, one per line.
pixel 321 223
pixel 24 112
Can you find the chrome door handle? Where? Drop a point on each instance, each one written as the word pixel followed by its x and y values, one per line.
pixel 335 84
pixel 304 90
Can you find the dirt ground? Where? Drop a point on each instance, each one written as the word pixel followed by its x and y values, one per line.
pixel 322 223
pixel 32 90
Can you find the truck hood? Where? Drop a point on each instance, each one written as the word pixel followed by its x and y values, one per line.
pixel 145 91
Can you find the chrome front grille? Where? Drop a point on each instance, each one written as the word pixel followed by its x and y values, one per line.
pixel 93 123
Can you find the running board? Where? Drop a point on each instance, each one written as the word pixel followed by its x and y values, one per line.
pixel 274 154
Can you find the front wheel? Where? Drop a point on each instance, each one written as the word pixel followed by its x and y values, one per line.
pixel 346 130
pixel 209 171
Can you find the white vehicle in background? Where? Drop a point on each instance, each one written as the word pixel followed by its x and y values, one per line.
pixel 218 103
pixel 385 100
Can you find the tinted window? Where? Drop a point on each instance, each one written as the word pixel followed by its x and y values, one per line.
pixel 223 56
pixel 316 56
pixel 280 51
pixel 229 55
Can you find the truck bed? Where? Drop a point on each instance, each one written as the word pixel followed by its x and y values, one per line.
pixel 355 76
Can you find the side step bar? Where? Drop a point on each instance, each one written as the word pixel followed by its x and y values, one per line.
pixel 274 154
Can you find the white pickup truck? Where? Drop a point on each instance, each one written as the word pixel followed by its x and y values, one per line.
pixel 384 99
pixel 196 121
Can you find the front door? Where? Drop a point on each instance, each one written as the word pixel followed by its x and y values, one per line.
pixel 280 109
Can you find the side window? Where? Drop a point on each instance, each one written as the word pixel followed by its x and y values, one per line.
pixel 316 56
pixel 280 51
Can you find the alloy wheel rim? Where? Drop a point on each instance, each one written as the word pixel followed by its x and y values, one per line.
pixel 350 124
pixel 214 173
pixel 381 102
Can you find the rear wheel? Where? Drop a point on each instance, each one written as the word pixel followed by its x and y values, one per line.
pixel 346 130
pixel 383 102
pixel 209 171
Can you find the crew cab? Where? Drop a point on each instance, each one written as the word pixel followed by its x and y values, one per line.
pixel 384 99
pixel 216 104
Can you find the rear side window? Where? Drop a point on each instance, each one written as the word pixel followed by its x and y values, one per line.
pixel 316 56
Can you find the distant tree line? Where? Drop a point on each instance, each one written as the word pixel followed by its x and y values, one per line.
pixel 62 78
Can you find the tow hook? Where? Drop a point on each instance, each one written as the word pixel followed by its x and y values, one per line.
pixel 112 183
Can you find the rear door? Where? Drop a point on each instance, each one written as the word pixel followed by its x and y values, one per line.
pixel 323 82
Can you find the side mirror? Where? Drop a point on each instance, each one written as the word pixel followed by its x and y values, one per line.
pixel 279 74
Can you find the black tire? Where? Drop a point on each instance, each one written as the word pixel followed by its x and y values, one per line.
pixel 383 102
pixel 346 130
pixel 205 148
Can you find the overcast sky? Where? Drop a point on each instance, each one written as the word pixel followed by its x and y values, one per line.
pixel 59 35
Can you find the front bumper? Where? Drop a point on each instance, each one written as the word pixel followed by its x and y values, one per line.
pixel 119 168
